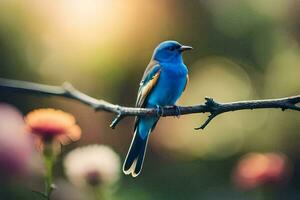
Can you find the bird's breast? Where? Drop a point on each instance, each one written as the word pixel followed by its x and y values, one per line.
pixel 169 87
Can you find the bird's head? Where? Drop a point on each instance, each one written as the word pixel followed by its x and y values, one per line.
pixel 169 51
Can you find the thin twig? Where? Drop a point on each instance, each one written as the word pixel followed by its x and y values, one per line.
pixel 210 106
pixel 116 121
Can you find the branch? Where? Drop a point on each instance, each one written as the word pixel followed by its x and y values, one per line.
pixel 210 106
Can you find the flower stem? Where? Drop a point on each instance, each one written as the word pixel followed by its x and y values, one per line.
pixel 49 159
pixel 98 193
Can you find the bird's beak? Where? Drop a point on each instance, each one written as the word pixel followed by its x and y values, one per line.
pixel 185 48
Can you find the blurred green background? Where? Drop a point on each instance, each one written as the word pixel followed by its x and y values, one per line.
pixel 243 49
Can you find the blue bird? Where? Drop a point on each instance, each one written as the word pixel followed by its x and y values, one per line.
pixel 163 82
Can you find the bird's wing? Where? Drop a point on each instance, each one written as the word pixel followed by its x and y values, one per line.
pixel 148 82
pixel 187 81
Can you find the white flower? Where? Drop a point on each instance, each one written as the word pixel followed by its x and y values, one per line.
pixel 92 165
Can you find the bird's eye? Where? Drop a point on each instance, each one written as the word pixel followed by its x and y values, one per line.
pixel 171 48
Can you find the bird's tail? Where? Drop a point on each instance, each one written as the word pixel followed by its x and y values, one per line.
pixel 136 153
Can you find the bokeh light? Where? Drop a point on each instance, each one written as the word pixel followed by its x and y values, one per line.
pixel 243 49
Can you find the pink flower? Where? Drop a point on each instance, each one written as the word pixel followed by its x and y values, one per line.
pixel 15 145
pixel 257 169
pixel 53 125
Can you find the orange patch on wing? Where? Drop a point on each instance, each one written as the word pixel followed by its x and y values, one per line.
pixel 187 81
pixel 147 88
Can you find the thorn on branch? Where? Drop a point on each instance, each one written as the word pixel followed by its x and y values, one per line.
pixel 116 120
pixel 210 102
pixel 97 107
pixel 210 117
pixel 67 86
pixel 212 107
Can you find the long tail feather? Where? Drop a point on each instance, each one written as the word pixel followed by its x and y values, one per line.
pixel 135 156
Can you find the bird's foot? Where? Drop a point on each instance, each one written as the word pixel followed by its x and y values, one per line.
pixel 178 111
pixel 160 111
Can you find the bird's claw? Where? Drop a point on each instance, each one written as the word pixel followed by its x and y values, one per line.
pixel 178 111
pixel 160 111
